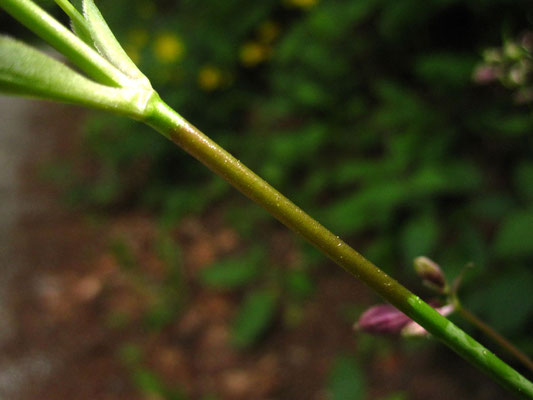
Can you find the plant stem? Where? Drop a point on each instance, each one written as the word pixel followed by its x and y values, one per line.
pixel 76 18
pixel 146 105
pixel 161 117
pixel 494 336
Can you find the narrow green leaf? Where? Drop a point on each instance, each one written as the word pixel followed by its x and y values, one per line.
pixel 523 176
pixel 28 72
pixel 108 45
pixel 148 382
pixel 514 238
pixel 233 272
pixel 78 23
pixel 395 396
pixel 299 284
pixel 419 236
pixel 494 301
pixel 346 380
pixel 254 316
pixel 86 58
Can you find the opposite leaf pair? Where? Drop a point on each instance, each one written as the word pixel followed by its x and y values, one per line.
pixel 116 84
pixel 93 30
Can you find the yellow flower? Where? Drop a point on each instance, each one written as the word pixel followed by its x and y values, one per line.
pixel 305 4
pixel 209 78
pixel 168 48
pixel 253 53
pixel 268 31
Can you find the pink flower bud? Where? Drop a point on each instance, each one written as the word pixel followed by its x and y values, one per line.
pixel 413 329
pixel 430 272
pixel 386 319
pixel 518 74
pixel 382 319
pixel 527 41
pixel 485 74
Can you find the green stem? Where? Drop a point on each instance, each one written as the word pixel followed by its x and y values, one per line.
pixel 494 336
pixel 82 55
pixel 72 12
pixel 174 127
pixel 74 15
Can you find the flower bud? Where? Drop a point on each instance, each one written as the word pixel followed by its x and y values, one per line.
pixel 413 329
pixel 382 319
pixel 485 74
pixel 513 51
pixel 518 75
pixel 527 41
pixel 386 319
pixel 430 273
pixel 492 56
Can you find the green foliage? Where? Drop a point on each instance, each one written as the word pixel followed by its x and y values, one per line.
pixel 515 239
pixel 447 70
pixel 162 312
pixel 123 254
pixel 170 254
pixel 130 354
pixel 511 307
pixel 346 380
pixel 299 284
pixel 523 176
pixel 27 71
pixel 234 272
pixel 395 396
pixel 148 382
pixel 404 187
pixel 168 295
pixel 165 296
pixel 104 40
pixel 254 316
pixel 362 112
pixel 420 236
pixel 151 384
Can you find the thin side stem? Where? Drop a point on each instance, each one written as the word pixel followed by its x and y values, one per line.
pixel 74 15
pixel 495 337
pixel 77 51
pixel 173 126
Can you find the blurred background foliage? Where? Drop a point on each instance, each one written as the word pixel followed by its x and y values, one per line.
pixel 363 112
